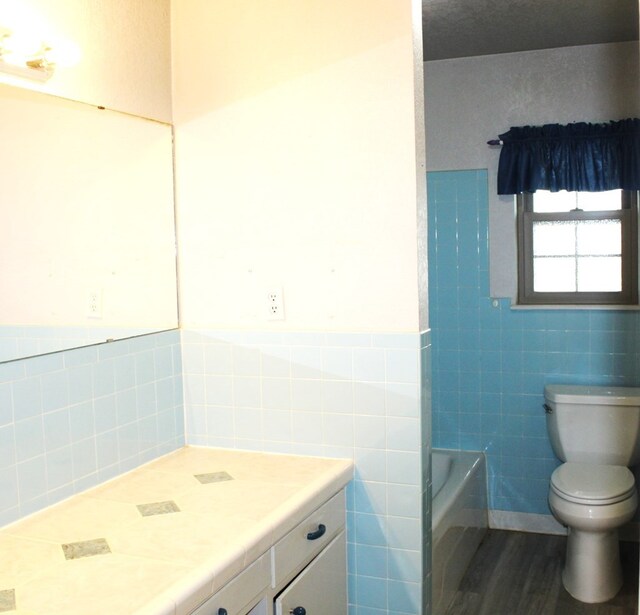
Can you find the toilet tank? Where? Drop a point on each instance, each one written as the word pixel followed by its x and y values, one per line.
pixel 593 424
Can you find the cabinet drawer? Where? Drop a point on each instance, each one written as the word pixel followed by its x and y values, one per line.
pixel 321 588
pixel 305 541
pixel 241 592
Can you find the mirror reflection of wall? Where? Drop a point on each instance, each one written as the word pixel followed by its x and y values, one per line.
pixel 87 244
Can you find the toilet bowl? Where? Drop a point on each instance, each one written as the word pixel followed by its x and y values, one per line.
pixel 593 501
pixel 595 430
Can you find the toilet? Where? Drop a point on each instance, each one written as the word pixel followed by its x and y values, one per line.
pixel 596 432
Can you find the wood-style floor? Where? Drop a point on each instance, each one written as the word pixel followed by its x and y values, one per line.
pixel 515 573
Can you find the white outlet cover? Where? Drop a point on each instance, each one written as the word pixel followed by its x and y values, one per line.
pixel 275 304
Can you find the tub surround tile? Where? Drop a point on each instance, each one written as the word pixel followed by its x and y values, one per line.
pixel 152 562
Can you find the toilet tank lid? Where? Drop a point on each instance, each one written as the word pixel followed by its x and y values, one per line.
pixel 581 394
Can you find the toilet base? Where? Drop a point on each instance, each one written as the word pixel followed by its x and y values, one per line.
pixel 592 571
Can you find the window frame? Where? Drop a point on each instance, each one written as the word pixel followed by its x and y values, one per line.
pixel 628 215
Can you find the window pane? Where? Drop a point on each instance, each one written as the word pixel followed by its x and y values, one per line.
pixel 554 238
pixel 574 245
pixel 554 275
pixel 550 202
pixel 600 201
pixel 602 274
pixel 599 237
pixel 545 201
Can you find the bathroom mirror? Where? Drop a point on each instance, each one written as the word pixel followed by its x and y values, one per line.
pixel 87 240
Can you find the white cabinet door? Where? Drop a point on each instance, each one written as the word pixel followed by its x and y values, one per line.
pixel 321 588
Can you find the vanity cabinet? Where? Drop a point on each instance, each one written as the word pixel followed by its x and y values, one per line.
pixel 303 573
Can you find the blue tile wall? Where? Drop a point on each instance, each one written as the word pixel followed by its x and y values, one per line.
pixel 490 363
pixel 73 419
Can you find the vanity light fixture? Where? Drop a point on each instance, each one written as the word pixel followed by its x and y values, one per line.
pixel 35 66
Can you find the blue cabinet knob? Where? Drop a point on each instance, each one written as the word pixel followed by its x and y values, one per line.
pixel 314 536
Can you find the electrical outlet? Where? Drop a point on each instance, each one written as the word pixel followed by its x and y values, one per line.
pixel 275 304
pixel 94 304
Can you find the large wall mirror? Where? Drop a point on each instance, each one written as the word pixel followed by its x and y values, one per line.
pixel 87 240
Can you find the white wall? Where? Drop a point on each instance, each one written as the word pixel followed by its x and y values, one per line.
pixel 124 46
pixel 296 163
pixel 472 100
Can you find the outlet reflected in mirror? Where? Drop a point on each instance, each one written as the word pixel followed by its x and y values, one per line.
pixel 87 244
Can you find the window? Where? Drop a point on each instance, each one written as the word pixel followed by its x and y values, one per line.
pixel 578 248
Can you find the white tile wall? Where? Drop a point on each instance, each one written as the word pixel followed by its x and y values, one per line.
pixel 352 395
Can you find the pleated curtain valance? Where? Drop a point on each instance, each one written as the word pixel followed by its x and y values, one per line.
pixel 576 157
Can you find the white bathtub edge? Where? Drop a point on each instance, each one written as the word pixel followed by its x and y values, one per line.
pixel 459 523
pixel 465 466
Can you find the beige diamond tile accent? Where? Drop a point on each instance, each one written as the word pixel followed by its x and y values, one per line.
pixel 7 600
pixel 86 548
pixel 213 477
pixel 158 508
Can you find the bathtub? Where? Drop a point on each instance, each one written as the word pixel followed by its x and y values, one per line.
pixel 458 519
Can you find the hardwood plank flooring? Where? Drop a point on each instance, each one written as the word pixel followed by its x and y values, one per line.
pixel 516 573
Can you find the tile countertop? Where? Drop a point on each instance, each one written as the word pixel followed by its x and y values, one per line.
pixel 160 539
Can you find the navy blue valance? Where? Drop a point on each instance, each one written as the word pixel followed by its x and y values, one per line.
pixel 576 157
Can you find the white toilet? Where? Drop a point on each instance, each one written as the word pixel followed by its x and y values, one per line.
pixel 596 431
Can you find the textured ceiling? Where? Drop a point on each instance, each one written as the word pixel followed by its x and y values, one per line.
pixel 460 28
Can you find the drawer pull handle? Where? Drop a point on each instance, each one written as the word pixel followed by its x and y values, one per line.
pixel 313 536
pixel 222 611
pixel 299 610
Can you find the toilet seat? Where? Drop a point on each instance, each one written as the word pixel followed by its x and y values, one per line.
pixel 592 484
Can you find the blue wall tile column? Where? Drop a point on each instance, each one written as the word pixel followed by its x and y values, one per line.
pixel 490 362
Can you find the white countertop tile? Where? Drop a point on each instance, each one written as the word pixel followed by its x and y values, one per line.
pixel 165 563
